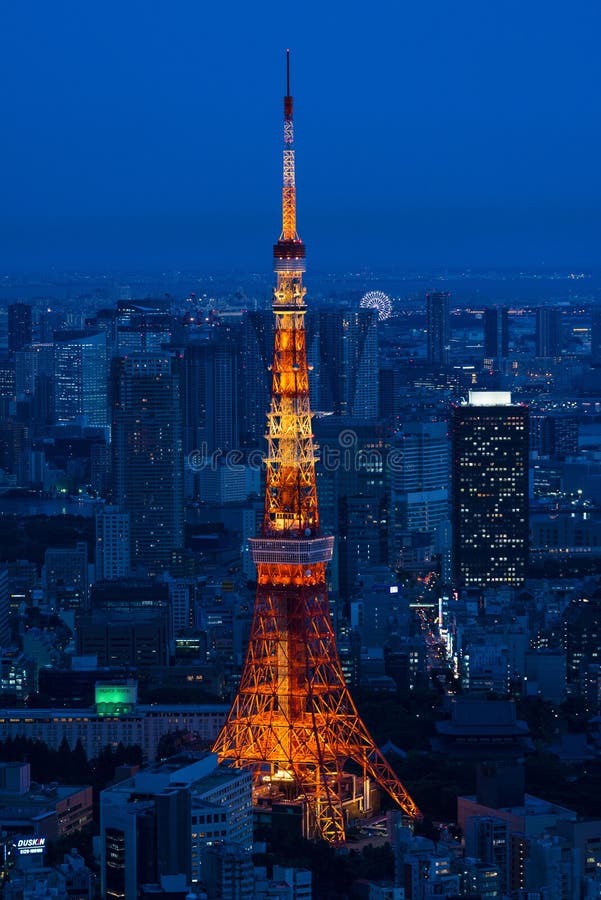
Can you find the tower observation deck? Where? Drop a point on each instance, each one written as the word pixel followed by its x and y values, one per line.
pixel 293 722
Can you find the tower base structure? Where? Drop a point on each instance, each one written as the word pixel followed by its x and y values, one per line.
pixel 293 722
pixel 279 809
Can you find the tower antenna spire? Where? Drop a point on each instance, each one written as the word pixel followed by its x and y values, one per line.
pixel 287 73
pixel 293 722
pixel 289 235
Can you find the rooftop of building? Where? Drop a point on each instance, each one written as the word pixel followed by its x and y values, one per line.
pixel 489 398
pixel 20 794
pixel 181 762
pixel 532 806
pixel 199 771
pixel 141 711
pixel 222 776
pixel 39 796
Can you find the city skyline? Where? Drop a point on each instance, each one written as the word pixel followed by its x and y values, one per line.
pixel 434 137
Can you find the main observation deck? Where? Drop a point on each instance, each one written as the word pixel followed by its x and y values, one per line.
pixel 299 552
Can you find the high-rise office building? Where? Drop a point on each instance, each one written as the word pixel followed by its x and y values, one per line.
pixel 554 433
pixel 352 486
pixel 3 329
pixel 210 392
pixel 128 623
pixel 210 401
pixel 596 336
pixel 581 636
pixel 342 347
pixel 15 447
pixel 19 326
pixel 419 489
pixel 439 328
pixel 4 608
pixel 363 537
pixel 194 395
pixel 30 363
pixel 65 577
pixel 34 383
pixel 112 559
pixel 420 476
pixel 143 840
pixel 100 469
pixel 7 377
pixel 548 331
pixel 222 396
pixel 490 490
pixel 143 337
pixel 81 378
pixel 49 321
pixel 254 381
pixel 147 456
pixel 496 332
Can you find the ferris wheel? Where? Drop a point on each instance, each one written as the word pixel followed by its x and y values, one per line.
pixel 377 300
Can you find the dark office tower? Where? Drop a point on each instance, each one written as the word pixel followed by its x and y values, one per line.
pixel 36 359
pixel 343 348
pixel 256 354
pixel 148 457
pixel 490 490
pixel 496 333
pixel 354 495
pixel 210 392
pixel 42 408
pixel 19 326
pixel 15 447
pixel 4 609
pixel 194 397
pixel 596 336
pixel 7 385
pixel 439 328
pixel 581 637
pixel 548 331
pixel 554 434
pixel 65 577
pixel 49 322
pixel 222 406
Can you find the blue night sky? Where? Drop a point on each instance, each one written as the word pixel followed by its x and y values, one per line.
pixel 146 135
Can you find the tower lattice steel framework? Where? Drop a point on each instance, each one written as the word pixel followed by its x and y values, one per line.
pixel 293 721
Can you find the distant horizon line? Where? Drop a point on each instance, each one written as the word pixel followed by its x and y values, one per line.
pixel 577 272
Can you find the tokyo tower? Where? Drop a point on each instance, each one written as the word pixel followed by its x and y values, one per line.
pixel 293 721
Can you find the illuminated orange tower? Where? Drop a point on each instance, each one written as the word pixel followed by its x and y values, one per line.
pixel 293 721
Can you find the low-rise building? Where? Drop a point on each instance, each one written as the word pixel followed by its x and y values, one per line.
pixel 45 811
pixel 228 872
pixel 113 724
